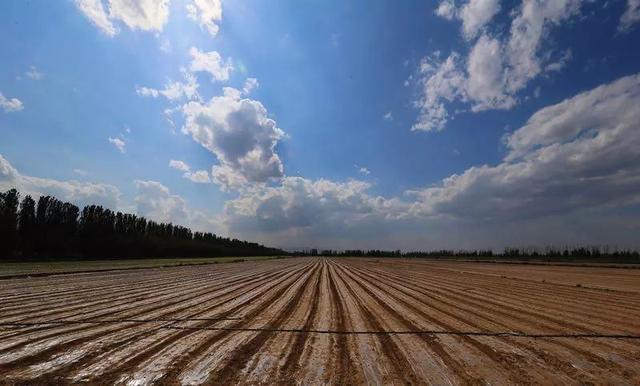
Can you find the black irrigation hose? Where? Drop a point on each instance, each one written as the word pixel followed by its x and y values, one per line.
pixel 312 331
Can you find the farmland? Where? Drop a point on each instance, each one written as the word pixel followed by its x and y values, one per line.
pixel 317 320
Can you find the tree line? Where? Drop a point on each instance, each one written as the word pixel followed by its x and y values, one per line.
pixel 52 228
pixel 566 253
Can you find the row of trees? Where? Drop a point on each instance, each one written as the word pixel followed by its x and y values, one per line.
pixel 596 253
pixel 52 228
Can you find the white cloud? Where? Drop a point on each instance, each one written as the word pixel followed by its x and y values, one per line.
pixel 79 193
pixel 154 201
pixel 560 63
pixel 199 176
pixel 146 15
pixel 207 13
pixel 446 9
pixel 148 92
pixel 580 153
pixel 571 169
pixel 95 12
pixel 240 134
pixel 440 81
pixel 476 14
pixel 485 85
pixel 119 143
pixel 34 74
pixel 630 16
pixel 249 85
pixel 174 91
pixel 496 69
pixel 299 204
pixel 10 105
pixel 528 29
pixel 362 170
pixel 388 116
pixel 179 165
pixel 212 63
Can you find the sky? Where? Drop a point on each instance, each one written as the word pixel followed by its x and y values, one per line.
pixel 413 125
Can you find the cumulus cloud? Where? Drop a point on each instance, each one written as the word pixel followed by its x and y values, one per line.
pixel 207 13
pixel 528 29
pixel 79 193
pixel 440 81
pixel 446 9
pixel 476 14
pixel 146 15
pixel 119 143
pixel 580 153
pixel 153 200
pixel 95 12
pixel 10 105
pixel 485 84
pixel 388 116
pixel 174 91
pixel 630 16
pixel 179 165
pixel 496 69
pixel 198 176
pixel 156 202
pixel 570 169
pixel 241 135
pixel 299 203
pixel 212 63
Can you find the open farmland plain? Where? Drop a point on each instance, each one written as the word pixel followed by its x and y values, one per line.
pixel 314 321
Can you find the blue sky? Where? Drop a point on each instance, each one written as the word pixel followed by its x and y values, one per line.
pixel 372 124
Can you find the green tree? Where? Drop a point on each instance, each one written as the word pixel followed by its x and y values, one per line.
pixel 27 225
pixel 8 221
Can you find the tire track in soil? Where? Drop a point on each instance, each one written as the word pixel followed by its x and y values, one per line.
pixel 602 362
pixel 505 360
pixel 459 300
pixel 557 363
pixel 400 365
pixel 564 293
pixel 159 304
pixel 297 346
pixel 128 291
pixel 45 354
pixel 432 341
pixel 148 352
pixel 172 373
pixel 108 310
pixel 339 311
pixel 241 355
pixel 515 311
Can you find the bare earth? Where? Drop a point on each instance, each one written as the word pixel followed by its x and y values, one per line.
pixel 316 321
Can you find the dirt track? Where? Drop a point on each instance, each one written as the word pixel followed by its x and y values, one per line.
pixel 316 321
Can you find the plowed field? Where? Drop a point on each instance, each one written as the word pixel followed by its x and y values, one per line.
pixel 316 321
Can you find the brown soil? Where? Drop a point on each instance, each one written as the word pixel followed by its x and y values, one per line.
pixel 323 321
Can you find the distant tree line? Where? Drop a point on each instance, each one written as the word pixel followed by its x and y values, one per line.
pixel 595 253
pixel 52 228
